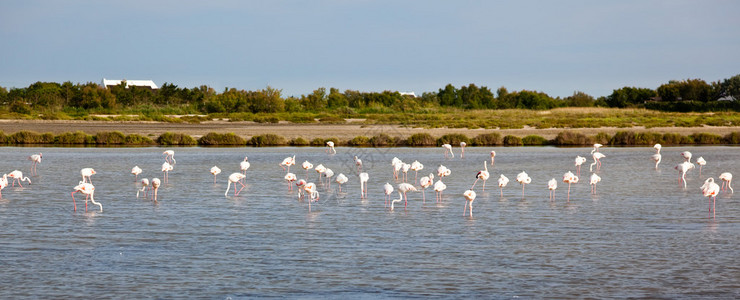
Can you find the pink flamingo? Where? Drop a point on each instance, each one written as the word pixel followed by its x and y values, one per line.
pixel 426 182
pixel 300 184
pixel 136 171
pixel 569 178
pixel 710 190
pixel 18 176
pixel 502 182
pixel 416 166
pixel 579 161
pixel 462 149
pixel 448 151
pixel 387 190
pixel 3 184
pixel 686 155
pixel 290 177
pixel 439 187
pixel 169 156
pixel 89 190
pixel 405 170
pixel 320 169
pixel 307 166
pixel 523 179
pixel 443 171
pixel 493 157
pixel 235 178
pixel 35 160
pixel 393 202
pixel 594 180
pixel 469 197
pixel 358 163
pixel 328 174
pixel 313 193
pixel 215 170
pixel 364 177
pixel 404 188
pixel 701 162
pixel 552 185
pixel 144 186
pixel 166 168
pixel 330 148
pixel 86 173
pixel 155 187
pixel 341 179
pixel 682 169
pixel 287 162
pixel 482 175
pixel 726 178
pixel 396 164
pixel 597 160
pixel 244 166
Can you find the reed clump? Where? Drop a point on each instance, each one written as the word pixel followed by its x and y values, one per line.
pixel 218 139
pixel 176 139
pixel 110 138
pixel 488 139
pixel 421 140
pixel 268 139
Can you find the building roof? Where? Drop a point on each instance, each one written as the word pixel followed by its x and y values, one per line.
pixel 143 83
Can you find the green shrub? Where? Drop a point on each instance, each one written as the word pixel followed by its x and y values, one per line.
pixel 3 137
pixel 332 120
pixel 25 137
pixel 452 139
pixel 110 138
pixel 511 140
pixel 623 138
pixel 488 139
pixel 217 139
pixel 676 139
pixel 382 140
pixel 601 138
pixel 731 138
pixel 74 138
pixel 534 140
pixel 421 140
pixel 648 138
pixel 569 138
pixel 317 142
pixel 268 139
pixel 137 139
pixel 706 138
pixel 271 119
pixel 169 139
pixel 359 141
pixel 299 142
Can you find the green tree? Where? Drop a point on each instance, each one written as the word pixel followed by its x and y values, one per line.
pixel 629 96
pixel 448 96
pixel 580 99
pixel 336 99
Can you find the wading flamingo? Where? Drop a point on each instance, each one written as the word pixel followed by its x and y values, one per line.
pixel 400 198
pixel 594 180
pixel 307 166
pixel 136 171
pixel 300 184
pixel 597 146
pixel 502 182
pixel 443 171
pixel 397 166
pixel 726 178
pixel 169 156
pixel 364 177
pixel 569 178
pixel 469 198
pixel 710 190
pixel 462 149
pixel 290 177
pixel 523 179
pixel 416 166
pixel 244 166
pixel 426 182
pixel 682 169
pixel 701 162
pixel 35 160
pixel 166 168
pixel 493 157
pixel 287 162
pixel 686 155
pixel 439 187
pixel 215 170
pixel 3 184
pixel 144 186
pixel 482 175
pixel 341 179
pixel 405 188
pixel 235 178
pixel 358 163
pixel 330 148
pixel 320 169
pixel 405 169
pixel 448 151
pixel 579 161
pixel 597 160
pixel 657 157
pixel 312 192
pixel 552 185
pixel 155 188
pixel 18 176
pixel 328 174
pixel 89 190
pixel 387 190
pixel 86 173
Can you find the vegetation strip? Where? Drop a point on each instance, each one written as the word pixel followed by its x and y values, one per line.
pixel 564 138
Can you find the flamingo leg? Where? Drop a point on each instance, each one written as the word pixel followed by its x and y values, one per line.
pixel 237 193
pixel 474 182
pixel 484 186
pixel 465 208
pixel 73 201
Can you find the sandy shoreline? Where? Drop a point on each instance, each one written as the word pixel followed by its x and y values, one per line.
pixel 309 131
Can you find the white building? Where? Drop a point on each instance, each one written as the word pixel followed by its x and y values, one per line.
pixel 107 83
pixel 412 94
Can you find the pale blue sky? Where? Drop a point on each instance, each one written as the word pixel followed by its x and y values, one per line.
pixel 556 47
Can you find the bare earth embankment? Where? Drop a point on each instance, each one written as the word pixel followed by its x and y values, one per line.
pixel 310 131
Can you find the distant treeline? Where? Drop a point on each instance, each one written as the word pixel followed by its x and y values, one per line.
pixel 51 99
pixel 564 138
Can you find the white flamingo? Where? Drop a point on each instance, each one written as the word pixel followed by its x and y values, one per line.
pixel 405 188
pixel 448 151
pixel 552 185
pixel 469 198
pixel 710 190
pixel 579 161
pixel 341 179
pixel 426 182
pixel 3 184
pixel 235 178
pixel 330 148
pixel 388 190
pixel 482 175
pixel 144 186
pixel 215 170
pixel 290 177
pixel 502 182
pixel 462 149
pixel 35 161
pixel 136 171
pixel 523 179
pixel 155 188
pixel 89 190
pixel 701 162
pixel 594 180
pixel 682 169
pixel 364 177
pixel 726 178
pixel 439 187
pixel 86 173
pixel 169 156
pixel 18 176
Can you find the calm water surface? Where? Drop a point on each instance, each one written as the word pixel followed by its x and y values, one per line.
pixel 640 235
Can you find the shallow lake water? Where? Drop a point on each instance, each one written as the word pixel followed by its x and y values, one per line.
pixel 639 235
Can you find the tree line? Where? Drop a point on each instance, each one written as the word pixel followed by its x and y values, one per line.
pixel 49 97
